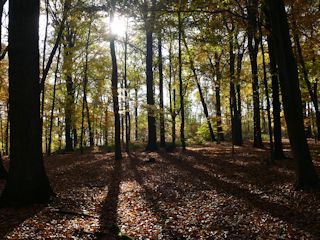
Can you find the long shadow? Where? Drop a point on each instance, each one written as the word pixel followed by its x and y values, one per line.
pixel 108 217
pixel 297 217
pixel 169 231
pixel 10 218
pixel 254 173
pixel 151 197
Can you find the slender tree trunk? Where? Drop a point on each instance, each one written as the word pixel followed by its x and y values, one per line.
pixel 90 126
pixel 69 103
pixel 218 98
pixel 126 97
pixel 172 100
pixel 162 127
pixel 106 128
pixel 46 67
pixel 204 105
pixel 181 88
pixel 152 131
pixel 7 131
pixel 27 180
pixel 44 58
pixel 238 115
pixel 235 116
pixel 253 44
pixel 53 101
pixel 2 132
pixel 305 172
pixel 266 87
pixel 312 92
pixel 174 116
pixel 114 85
pixel 84 100
pixel 278 148
pixel 136 113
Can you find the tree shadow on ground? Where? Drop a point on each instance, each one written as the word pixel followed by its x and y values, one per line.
pixel 163 199
pixel 11 217
pixel 299 218
pixel 108 217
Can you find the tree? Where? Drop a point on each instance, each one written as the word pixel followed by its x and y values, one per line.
pixel 152 131
pixel 253 47
pixel 160 65
pixel 181 88
pixel 114 87
pixel 305 172
pixel 27 180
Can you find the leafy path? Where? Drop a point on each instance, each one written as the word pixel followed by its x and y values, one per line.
pixel 204 193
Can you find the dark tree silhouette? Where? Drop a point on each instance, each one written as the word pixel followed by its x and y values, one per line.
pixel 152 130
pixel 306 174
pixel 27 180
pixel 114 85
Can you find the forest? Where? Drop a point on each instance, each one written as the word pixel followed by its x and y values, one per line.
pixel 159 119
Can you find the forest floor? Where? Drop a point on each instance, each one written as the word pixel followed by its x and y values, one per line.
pixel 203 193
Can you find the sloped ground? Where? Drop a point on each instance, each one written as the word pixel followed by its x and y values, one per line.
pixel 204 193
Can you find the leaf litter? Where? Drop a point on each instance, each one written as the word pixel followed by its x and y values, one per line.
pixel 204 193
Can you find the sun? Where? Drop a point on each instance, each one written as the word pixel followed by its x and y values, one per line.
pixel 119 26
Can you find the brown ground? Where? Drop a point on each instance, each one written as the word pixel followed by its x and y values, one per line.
pixel 204 193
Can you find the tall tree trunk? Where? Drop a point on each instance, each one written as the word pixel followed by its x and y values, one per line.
pixel 278 148
pixel 218 98
pixel 114 86
pixel 305 172
pixel 44 58
pixel 7 131
pixel 235 116
pixel 53 101
pixel 312 92
pixel 152 131
pixel 136 112
pixel 2 133
pixel 181 88
pixel 90 126
pixel 46 67
pixel 204 105
pixel 238 115
pixel 69 103
pixel 172 100
pixel 253 44
pixel 162 127
pixel 27 180
pixel 84 99
pixel 126 93
pixel 266 87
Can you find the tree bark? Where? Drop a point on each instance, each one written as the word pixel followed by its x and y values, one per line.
pixel 84 100
pixel 266 88
pixel 181 88
pixel 253 44
pixel 53 101
pixel 305 172
pixel 27 180
pixel 162 127
pixel 69 103
pixel 126 97
pixel 152 131
pixel 136 113
pixel 276 106
pixel 114 85
pixel 218 98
